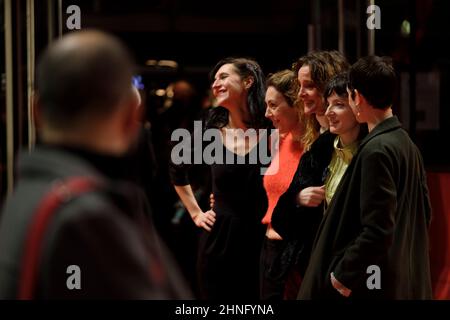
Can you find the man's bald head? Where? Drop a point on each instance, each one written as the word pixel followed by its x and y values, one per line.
pixel 86 73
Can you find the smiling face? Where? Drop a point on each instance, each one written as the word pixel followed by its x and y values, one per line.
pixel 283 116
pixel 228 87
pixel 340 115
pixel 309 93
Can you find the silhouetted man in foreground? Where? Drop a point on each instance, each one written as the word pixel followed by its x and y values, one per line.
pixel 73 228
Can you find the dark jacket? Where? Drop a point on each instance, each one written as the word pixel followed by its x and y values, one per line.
pixel 298 224
pixel 378 216
pixel 105 232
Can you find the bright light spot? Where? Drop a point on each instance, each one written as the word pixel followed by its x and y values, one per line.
pixel 405 28
pixel 168 63
pixel 160 92
pixel 151 62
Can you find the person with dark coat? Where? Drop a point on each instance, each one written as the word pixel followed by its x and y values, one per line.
pixel 373 241
pixel 74 228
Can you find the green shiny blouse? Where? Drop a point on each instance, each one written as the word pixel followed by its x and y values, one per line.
pixel 340 160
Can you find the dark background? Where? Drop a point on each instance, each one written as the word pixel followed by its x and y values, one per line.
pixel 197 34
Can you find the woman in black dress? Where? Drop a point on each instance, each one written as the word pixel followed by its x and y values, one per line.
pixel 228 261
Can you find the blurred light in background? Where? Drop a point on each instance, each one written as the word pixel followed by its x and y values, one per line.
pixel 405 29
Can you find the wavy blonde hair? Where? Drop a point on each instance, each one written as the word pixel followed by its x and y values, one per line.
pixel 323 66
pixel 311 132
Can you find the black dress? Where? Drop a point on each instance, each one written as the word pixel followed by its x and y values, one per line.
pixel 228 260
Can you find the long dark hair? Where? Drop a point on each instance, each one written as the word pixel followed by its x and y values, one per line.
pixel 245 67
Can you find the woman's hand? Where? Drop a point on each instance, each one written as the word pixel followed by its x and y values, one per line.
pixel 205 220
pixel 211 201
pixel 311 196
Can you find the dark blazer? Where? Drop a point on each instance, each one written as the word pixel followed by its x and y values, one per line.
pixel 379 216
pixel 298 224
pixel 105 232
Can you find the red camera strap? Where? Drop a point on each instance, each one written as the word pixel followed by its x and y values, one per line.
pixel 61 193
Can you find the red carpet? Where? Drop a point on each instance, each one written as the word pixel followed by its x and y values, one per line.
pixel 439 186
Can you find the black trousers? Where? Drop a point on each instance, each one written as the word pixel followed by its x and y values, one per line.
pixel 281 269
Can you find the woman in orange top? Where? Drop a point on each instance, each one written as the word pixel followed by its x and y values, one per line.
pixel 285 114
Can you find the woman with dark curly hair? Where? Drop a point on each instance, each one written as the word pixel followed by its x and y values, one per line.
pixel 300 209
